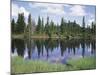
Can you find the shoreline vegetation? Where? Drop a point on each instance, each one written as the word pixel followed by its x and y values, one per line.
pixel 20 65
pixel 22 36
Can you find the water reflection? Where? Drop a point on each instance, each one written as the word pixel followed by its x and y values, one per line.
pixel 52 49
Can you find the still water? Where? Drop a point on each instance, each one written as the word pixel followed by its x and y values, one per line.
pixel 53 50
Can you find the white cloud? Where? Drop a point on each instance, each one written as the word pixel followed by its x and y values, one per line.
pixel 74 10
pixel 91 18
pixel 57 9
pixel 53 10
pixel 90 21
pixel 16 9
pixel 77 10
pixel 37 5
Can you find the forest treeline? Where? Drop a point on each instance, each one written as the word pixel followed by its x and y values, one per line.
pixel 49 28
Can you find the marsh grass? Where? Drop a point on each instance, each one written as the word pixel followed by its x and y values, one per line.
pixel 20 65
pixel 83 63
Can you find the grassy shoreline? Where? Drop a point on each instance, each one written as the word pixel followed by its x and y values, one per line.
pixel 19 65
pixel 22 36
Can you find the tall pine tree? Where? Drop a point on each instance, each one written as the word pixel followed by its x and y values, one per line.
pixel 83 27
pixel 47 26
pixel 20 23
pixel 62 26
pixel 13 26
pixel 30 25
pixel 38 28
pixel 83 24
pixel 42 26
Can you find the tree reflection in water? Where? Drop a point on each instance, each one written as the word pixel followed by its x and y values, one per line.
pixel 47 48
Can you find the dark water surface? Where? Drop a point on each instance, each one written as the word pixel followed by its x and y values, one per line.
pixel 53 50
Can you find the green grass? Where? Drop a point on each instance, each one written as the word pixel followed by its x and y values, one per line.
pixel 20 65
pixel 18 36
pixel 83 63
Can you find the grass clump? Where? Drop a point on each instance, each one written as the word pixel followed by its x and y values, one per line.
pixel 20 65
pixel 83 63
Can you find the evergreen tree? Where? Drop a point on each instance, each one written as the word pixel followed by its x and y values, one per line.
pixel 20 23
pixel 93 27
pixel 13 28
pixel 47 26
pixel 62 26
pixel 83 27
pixel 29 25
pixel 52 27
pixel 83 24
pixel 38 28
pixel 42 26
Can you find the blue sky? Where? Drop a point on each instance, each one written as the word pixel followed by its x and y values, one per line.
pixel 54 11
